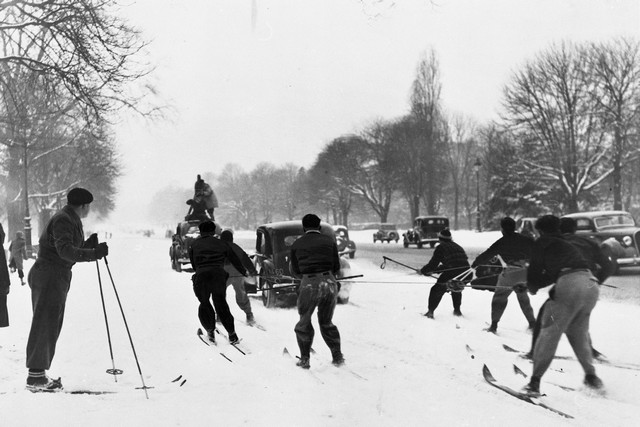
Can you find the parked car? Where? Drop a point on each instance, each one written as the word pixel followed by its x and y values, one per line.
pixel 273 247
pixel 346 246
pixel 386 233
pixel 425 231
pixel 186 233
pixel 526 227
pixel 615 231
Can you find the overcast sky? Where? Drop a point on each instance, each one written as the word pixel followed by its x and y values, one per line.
pixel 258 80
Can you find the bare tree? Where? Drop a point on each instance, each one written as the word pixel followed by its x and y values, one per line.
pixel 616 66
pixel 549 102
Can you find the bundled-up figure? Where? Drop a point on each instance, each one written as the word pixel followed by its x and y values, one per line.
pixel 5 282
pixel 62 244
pixel 203 193
pixel 571 300
pixel 450 260
pixel 515 251
pixel 18 249
pixel 208 255
pixel 314 257
pixel 235 278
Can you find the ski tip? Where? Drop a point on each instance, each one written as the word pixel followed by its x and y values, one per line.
pixel 487 373
pixel 177 379
pixel 285 352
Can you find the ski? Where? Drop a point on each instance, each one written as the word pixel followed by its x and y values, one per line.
pixel 209 343
pixel 601 359
pixel 237 345
pixel 486 373
pixel 285 353
pixel 520 372
pixel 256 325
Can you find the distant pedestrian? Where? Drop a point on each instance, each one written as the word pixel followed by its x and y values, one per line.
pixel 236 279
pixel 61 245
pixel 18 249
pixel 571 300
pixel 208 255
pixel 515 251
pixel 314 257
pixel 450 260
pixel 5 282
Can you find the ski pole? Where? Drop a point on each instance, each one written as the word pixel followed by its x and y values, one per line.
pixel 386 258
pixel 115 372
pixel 126 325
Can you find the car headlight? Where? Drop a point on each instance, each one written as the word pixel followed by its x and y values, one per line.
pixel 627 241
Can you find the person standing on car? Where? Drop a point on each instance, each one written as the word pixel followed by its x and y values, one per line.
pixel 208 255
pixel 204 194
pixel 18 249
pixel 61 245
pixel 515 250
pixel 450 260
pixel 314 257
pixel 235 278
pixel 571 300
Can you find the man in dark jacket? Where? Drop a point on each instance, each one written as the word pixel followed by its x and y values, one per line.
pixel 5 283
pixel 61 245
pixel 555 260
pixel 314 257
pixel 235 278
pixel 450 260
pixel 515 251
pixel 208 255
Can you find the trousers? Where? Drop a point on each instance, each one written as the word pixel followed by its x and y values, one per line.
pixel 509 277
pixel 210 284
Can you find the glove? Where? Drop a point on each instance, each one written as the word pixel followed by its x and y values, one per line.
pixel 92 241
pixel 102 250
pixel 424 271
pixel 520 287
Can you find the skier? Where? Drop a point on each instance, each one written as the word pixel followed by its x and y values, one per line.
pixel 18 249
pixel 235 278
pixel 5 282
pixel 314 258
pixel 204 194
pixel 61 245
pixel 515 250
pixel 599 264
pixel 450 260
pixel 208 255
pixel 571 300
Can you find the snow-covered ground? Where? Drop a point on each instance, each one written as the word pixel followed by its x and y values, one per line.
pixel 402 368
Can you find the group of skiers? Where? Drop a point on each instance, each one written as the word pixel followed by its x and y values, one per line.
pixel 573 264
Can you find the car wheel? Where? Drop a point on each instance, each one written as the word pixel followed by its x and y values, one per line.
pixel 393 236
pixel 419 244
pixel 405 243
pixel 352 255
pixel 432 244
pixel 268 294
pixel 178 266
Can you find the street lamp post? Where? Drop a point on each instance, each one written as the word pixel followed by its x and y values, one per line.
pixel 477 166
pixel 27 216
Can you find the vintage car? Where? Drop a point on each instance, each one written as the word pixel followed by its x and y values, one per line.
pixel 273 246
pixel 386 233
pixel 346 246
pixel 186 232
pixel 615 231
pixel 425 231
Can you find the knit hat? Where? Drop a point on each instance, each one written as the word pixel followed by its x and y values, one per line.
pixel 444 234
pixel 207 227
pixel 79 196
pixel 310 221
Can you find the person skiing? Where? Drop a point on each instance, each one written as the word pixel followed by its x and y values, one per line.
pixel 204 194
pixel 61 245
pixel 18 249
pixel 571 300
pixel 5 282
pixel 208 255
pixel 450 260
pixel 314 258
pixel 235 278
pixel 600 265
pixel 515 250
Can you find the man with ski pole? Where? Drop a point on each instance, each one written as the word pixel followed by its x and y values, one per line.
pixel 208 255
pixel 315 258
pixel 61 245
pixel 575 293
pixel 451 260
pixel 515 251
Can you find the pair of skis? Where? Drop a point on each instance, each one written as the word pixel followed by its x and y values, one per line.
pixel 205 339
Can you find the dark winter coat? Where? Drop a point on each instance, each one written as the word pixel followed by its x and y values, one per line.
pixel 599 264
pixel 511 247
pixel 448 258
pixel 18 249
pixel 208 251
pixel 314 253
pixel 5 282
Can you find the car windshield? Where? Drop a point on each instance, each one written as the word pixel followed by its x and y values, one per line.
pixel 614 221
